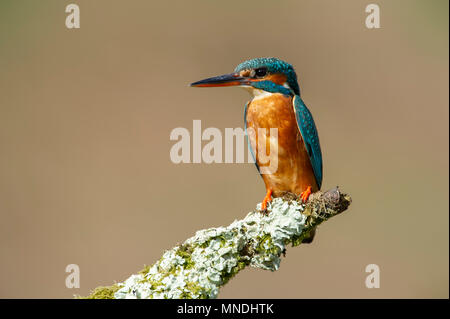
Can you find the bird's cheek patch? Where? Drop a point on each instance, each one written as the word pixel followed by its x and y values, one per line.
pixel 276 78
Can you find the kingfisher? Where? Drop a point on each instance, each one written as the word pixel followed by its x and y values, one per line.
pixel 276 103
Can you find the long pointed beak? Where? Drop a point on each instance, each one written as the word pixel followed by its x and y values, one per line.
pixel 232 79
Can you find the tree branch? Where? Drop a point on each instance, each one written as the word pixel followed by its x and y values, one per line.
pixel 204 263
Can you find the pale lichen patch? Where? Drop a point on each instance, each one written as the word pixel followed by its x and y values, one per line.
pixel 208 260
pixel 203 263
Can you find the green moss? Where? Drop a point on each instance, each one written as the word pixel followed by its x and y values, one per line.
pixel 193 289
pixel 154 283
pixel 241 264
pixel 188 264
pixel 266 241
pixel 205 244
pixel 243 261
pixel 102 292
pixel 145 270
pixel 297 240
pixel 186 248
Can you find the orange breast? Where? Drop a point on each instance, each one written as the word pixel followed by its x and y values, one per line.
pixel 294 172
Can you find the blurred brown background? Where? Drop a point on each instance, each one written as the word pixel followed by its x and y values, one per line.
pixel 85 118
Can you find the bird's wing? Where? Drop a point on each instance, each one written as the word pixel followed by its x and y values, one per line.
pixel 248 141
pixel 308 131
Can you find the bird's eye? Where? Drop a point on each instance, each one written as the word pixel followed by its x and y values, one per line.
pixel 260 72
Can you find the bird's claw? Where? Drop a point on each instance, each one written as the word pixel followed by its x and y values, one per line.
pixel 265 201
pixel 305 195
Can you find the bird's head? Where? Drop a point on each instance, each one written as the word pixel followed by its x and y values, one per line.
pixel 258 75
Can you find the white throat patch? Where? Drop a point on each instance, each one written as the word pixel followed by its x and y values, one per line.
pixel 257 93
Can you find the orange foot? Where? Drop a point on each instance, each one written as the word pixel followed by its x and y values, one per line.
pixel 304 195
pixel 267 199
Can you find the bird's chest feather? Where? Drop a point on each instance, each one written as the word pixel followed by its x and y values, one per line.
pixel 294 170
pixel 275 111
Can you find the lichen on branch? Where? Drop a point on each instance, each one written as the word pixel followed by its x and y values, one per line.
pixel 207 261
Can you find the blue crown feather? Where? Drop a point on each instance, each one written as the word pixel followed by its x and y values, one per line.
pixel 273 65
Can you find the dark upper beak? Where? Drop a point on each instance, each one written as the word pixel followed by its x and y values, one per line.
pixel 231 79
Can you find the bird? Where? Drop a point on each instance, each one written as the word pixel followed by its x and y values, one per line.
pixel 276 103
